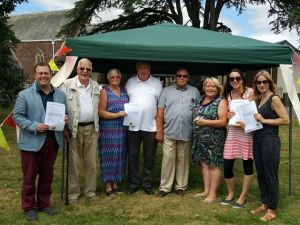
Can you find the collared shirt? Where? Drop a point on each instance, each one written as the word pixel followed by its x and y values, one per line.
pixel 177 104
pixel 46 98
pixel 86 109
pixel 146 94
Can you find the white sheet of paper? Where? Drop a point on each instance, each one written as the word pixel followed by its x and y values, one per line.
pixel 134 114
pixel 55 114
pixel 247 115
pixel 234 106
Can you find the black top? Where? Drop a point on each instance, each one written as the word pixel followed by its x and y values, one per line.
pixel 266 111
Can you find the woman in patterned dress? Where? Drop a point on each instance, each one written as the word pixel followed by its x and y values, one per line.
pixel 238 144
pixel 209 132
pixel 112 138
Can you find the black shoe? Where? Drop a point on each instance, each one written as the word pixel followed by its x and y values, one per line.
pixel 31 215
pixel 148 191
pixel 180 192
pixel 110 193
pixel 49 210
pixel 132 190
pixel 162 194
pixel 117 191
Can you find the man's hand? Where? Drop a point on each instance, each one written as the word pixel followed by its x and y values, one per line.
pixel 42 128
pixel 159 136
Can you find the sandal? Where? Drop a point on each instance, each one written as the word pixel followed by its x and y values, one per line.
pixel 269 216
pixel 258 210
pixel 110 193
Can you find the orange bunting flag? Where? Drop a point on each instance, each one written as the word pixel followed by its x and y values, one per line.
pixel 63 50
pixel 9 121
pixel 3 142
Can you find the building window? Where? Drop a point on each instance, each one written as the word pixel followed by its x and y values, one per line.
pixel 39 56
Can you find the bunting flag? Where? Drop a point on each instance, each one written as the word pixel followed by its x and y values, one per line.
pixel 9 121
pixel 298 81
pixel 52 65
pixel 63 50
pixel 64 71
pixel 3 142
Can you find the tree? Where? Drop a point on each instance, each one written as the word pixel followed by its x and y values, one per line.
pixel 139 13
pixel 287 15
pixel 9 71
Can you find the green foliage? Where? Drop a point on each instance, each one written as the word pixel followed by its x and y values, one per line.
pixel 11 77
pixel 287 15
pixel 140 13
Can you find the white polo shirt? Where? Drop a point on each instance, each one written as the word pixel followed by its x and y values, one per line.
pixel 146 94
pixel 86 109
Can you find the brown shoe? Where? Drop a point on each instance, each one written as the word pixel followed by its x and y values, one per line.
pixel 162 194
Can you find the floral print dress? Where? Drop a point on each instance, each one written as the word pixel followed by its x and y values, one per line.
pixel 208 142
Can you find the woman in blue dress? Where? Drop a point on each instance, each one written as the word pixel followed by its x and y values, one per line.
pixel 112 137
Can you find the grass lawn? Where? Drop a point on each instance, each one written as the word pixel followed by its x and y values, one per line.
pixel 142 209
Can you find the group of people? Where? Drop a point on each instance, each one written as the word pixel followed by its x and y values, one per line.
pixel 177 116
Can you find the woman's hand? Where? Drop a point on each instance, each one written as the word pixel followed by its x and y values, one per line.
pixel 121 114
pixel 230 114
pixel 241 124
pixel 259 117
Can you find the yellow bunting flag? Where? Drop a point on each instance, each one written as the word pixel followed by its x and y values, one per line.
pixel 53 66
pixel 298 81
pixel 3 142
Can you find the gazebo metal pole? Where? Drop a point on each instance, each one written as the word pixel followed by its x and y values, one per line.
pixel 290 146
pixel 63 173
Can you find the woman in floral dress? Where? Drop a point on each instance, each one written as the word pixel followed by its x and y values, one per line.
pixel 209 133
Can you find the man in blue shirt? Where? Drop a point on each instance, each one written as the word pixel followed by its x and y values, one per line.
pixel 174 131
pixel 38 145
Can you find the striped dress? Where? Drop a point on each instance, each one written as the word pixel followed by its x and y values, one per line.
pixel 238 144
pixel 112 140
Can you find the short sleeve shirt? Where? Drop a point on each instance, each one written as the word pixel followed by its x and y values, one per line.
pixel 177 104
pixel 146 94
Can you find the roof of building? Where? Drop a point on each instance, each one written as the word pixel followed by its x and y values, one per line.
pixel 38 26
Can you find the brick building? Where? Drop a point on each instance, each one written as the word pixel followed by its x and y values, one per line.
pixel 38 35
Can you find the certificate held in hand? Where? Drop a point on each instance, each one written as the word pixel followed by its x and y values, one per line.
pixel 134 114
pixel 246 114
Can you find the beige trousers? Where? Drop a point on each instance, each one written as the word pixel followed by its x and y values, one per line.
pixel 83 147
pixel 175 164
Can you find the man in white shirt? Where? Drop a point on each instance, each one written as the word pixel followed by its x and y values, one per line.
pixel 83 98
pixel 143 89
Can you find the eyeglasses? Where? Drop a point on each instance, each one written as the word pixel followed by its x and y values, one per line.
pixel 264 82
pixel 115 77
pixel 182 75
pixel 84 68
pixel 238 79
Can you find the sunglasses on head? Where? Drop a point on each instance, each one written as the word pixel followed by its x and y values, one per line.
pixel 264 82
pixel 84 68
pixel 182 75
pixel 238 79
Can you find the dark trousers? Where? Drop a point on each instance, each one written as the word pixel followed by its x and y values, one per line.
pixel 149 151
pixel 38 163
pixel 266 152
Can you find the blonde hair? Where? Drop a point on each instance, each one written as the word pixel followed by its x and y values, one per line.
pixel 215 82
pixel 112 71
pixel 272 85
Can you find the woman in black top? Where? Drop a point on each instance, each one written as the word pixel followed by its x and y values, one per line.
pixel 266 143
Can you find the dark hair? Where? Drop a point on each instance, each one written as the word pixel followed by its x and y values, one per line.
pixel 41 64
pixel 228 88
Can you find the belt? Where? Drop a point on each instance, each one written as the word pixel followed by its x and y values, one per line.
pixel 82 124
